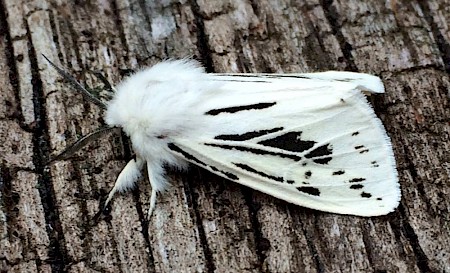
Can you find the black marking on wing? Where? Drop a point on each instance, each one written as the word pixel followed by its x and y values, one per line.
pixel 186 155
pixel 250 169
pixel 356 187
pixel 310 190
pixel 290 142
pixel 361 149
pixel 230 175
pixel 227 174
pixel 254 151
pixel 308 174
pixel 366 195
pixel 234 109
pixel 344 80
pixel 355 133
pixel 321 151
pixel 290 182
pixel 240 80
pixel 379 199
pixel 374 164
pixel 248 135
pixel 268 76
pixel 355 180
pixel 190 157
pixel 340 172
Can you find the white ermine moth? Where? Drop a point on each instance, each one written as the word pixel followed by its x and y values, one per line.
pixel 310 139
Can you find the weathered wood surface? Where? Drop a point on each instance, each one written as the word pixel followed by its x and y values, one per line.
pixel 206 224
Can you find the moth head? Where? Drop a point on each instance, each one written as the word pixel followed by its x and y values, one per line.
pixel 124 110
pixel 96 134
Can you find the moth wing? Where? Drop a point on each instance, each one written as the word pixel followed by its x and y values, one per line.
pixel 313 143
pixel 362 81
pixel 341 190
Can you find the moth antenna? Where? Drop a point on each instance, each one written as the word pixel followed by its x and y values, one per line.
pixel 83 141
pixel 105 81
pixel 77 85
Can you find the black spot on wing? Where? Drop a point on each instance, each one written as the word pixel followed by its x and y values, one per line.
pixel 290 182
pixel 340 172
pixel 308 174
pixel 262 174
pixel 356 187
pixel 309 190
pixel 355 133
pixel 254 151
pixel 248 135
pixel 290 142
pixel 323 161
pixel 321 151
pixel 185 154
pixel 234 109
pixel 362 149
pixel 366 195
pixel 375 164
pixel 379 199
pixel 356 180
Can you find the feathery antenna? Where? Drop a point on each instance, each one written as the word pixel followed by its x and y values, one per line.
pixel 77 85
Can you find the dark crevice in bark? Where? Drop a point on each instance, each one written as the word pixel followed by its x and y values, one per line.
pixel 121 30
pixel 192 198
pixel 12 73
pixel 320 267
pixel 442 43
pixel 202 41
pixel 332 17
pixel 262 244
pixel 58 256
pixel 402 226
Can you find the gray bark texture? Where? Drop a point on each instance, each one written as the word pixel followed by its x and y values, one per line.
pixel 205 223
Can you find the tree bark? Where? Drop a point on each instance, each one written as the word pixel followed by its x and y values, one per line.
pixel 204 223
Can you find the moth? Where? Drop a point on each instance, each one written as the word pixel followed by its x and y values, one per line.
pixel 309 139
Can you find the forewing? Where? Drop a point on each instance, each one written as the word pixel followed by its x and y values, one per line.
pixel 319 145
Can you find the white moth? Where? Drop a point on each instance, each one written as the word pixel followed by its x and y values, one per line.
pixel 310 139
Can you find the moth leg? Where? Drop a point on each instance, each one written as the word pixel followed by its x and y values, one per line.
pixel 152 203
pixel 127 177
pixel 158 183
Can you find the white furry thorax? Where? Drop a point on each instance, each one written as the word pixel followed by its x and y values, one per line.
pixel 157 104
